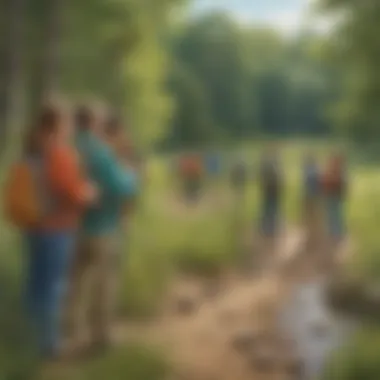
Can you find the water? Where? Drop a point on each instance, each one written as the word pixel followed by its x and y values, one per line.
pixel 316 331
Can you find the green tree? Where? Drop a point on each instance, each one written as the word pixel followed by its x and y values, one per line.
pixel 191 122
pixel 356 52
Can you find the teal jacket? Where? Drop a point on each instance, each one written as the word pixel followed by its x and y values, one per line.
pixel 115 182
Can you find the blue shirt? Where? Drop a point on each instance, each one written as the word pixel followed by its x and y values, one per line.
pixel 116 184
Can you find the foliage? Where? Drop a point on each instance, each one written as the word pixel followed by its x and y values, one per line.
pixel 250 82
pixel 355 48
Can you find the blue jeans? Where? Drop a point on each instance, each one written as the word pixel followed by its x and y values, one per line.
pixel 270 216
pixel 335 217
pixel 48 260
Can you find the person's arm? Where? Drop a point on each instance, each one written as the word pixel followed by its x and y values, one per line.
pixel 113 177
pixel 65 175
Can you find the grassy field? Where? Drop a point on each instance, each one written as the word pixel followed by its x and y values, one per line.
pixel 164 237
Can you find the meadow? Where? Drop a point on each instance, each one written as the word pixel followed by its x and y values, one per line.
pixel 164 237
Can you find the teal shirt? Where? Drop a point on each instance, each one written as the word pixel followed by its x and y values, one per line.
pixel 115 182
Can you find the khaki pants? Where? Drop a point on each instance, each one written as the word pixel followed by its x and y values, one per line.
pixel 93 285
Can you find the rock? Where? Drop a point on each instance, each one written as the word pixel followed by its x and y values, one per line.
pixel 295 368
pixel 186 305
pixel 212 289
pixel 345 295
pixel 244 341
pixel 264 362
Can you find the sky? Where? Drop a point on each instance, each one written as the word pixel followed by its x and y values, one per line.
pixel 288 16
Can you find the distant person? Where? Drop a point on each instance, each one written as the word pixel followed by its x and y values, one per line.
pixel 44 197
pixel 212 165
pixel 271 183
pixel 191 174
pixel 239 174
pixel 97 254
pixel 335 192
pixel 312 197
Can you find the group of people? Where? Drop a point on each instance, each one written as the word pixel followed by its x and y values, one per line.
pixel 70 194
pixel 323 190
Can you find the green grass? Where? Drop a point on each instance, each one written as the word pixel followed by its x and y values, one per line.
pixel 359 360
pixel 161 241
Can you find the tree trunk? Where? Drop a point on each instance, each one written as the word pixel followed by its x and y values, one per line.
pixel 11 69
pixel 45 74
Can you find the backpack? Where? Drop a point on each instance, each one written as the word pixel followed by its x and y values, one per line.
pixel 24 199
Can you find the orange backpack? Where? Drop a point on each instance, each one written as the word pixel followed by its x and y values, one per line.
pixel 22 199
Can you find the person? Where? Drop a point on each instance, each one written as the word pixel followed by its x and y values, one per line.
pixel 312 198
pixel 97 254
pixel 271 191
pixel 239 174
pixel 191 174
pixel 116 136
pixel 335 189
pixel 212 164
pixel 49 178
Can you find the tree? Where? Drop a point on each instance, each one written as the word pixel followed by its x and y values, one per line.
pixel 11 69
pixel 192 124
pixel 254 81
pixel 356 53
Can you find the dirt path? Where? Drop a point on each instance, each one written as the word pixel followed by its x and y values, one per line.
pixel 226 329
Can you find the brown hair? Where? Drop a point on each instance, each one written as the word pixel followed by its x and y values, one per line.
pixel 113 124
pixel 47 123
pixel 84 117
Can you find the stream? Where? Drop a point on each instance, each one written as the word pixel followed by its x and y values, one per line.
pixel 315 330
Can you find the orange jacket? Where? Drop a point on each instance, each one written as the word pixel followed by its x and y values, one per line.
pixel 68 184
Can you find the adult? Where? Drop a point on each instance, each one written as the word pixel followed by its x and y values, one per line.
pixel 191 174
pixel 312 198
pixel 213 164
pixel 271 182
pixel 97 253
pixel 239 174
pixel 51 182
pixel 335 190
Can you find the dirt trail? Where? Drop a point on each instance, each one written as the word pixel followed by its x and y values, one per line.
pixel 178 206
pixel 227 329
